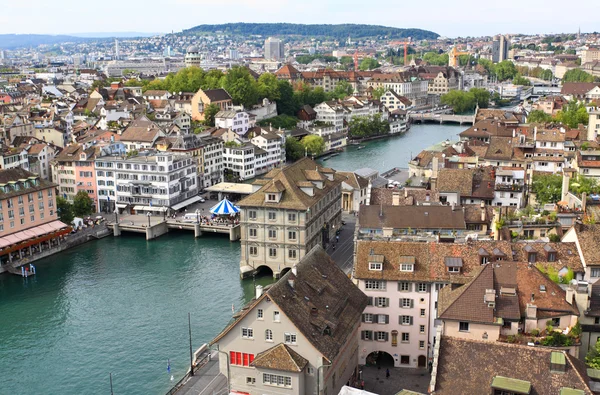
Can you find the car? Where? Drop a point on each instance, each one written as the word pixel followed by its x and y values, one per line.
pixel 202 200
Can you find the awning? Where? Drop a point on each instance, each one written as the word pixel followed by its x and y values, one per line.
pixel 31 234
pixel 139 208
pixel 156 208
pixel 186 202
pixel 121 205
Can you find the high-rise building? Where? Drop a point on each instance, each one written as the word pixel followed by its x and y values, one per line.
pixel 500 47
pixel 273 49
pixel 116 49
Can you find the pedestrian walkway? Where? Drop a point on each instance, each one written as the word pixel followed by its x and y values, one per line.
pixel 207 380
pixel 400 378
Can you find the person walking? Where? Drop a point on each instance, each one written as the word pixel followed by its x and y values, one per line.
pixel 387 373
pixel 362 384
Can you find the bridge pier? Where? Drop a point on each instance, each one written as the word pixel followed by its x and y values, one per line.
pixel 154 231
pixel 197 230
pixel 234 233
pixel 116 229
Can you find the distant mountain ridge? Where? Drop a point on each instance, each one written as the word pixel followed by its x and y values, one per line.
pixel 12 41
pixel 341 31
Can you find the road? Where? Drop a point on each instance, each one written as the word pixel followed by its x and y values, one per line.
pixel 344 248
pixel 207 381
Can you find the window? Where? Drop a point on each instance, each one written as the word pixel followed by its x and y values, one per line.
pixel 240 358
pixel 375 284
pixel 381 336
pixel 272 216
pixel 595 272
pixel 252 232
pixel 404 359
pixel 272 252
pixel 405 337
pixel 421 328
pixel 277 380
pixel 366 335
pixel 383 319
pixel 252 214
pixel 292 235
pixel 421 344
pixel 247 333
pixel 367 317
pixel 291 217
pixel 422 312
pixel 406 320
pixel 271 197
pixel 292 254
pixel 250 380
pixel 272 234
pixel 407 267
pixel 289 338
pixel 394 338
pixel 253 250
pixel 463 326
pixel 406 303
pixel 421 287
pixel 276 316
pixel 552 257
pixel 32 218
pixel 404 286
pixel 375 266
pixel 381 302
pixel 310 371
pixel 269 335
pixel 259 314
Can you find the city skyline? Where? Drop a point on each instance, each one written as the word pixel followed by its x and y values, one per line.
pixel 471 19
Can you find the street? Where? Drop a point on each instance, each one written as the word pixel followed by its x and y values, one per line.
pixel 343 252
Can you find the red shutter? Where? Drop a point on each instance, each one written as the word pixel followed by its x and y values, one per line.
pixel 233 360
pixel 238 357
pixel 251 358
pixel 246 359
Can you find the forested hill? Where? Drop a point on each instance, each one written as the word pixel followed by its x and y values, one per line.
pixel 334 31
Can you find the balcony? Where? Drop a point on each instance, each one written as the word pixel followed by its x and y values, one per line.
pixel 508 187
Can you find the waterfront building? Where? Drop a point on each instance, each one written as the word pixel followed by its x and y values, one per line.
pixel 239 160
pixel 152 182
pixel 274 146
pixel 28 217
pixel 73 171
pixel 204 98
pixel 393 101
pixel 299 335
pixel 355 191
pixel 295 209
pixel 274 49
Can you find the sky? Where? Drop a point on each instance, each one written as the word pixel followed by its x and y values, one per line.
pixel 451 19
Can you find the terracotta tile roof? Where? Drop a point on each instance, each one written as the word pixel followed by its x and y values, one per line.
pixel 467 367
pixel 280 357
pixel 566 255
pixel 415 217
pixel 500 148
pixel 354 180
pixel 408 196
pixel 589 240
pixel 293 197
pixel 552 135
pixel 488 128
pixel 142 129
pixel 468 182
pixel 577 88
pixel 500 115
pixel 8 176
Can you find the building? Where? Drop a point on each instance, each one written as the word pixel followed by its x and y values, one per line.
pixel 355 192
pixel 298 336
pixel 73 171
pixel 500 47
pixel 501 368
pixel 393 101
pixel 238 121
pixel 590 55
pixel 295 209
pixel 274 49
pixel 13 157
pixel 587 163
pixel 509 187
pixel 274 146
pixel 239 161
pixel 193 57
pixel 28 217
pixel 141 134
pixel 150 183
pixel 593 125
pixel 203 99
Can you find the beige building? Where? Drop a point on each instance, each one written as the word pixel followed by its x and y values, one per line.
pixel 295 209
pixel 590 55
pixel 299 336
pixel 202 99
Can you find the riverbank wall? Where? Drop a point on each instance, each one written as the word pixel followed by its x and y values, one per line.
pixel 74 240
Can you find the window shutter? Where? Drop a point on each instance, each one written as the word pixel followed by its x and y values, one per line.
pixel 387 302
pixel 411 320
pixel 399 320
pixel 387 319
pixel 410 287
pixel 412 303
pixel 386 336
pixel 370 301
pixel 363 318
pixel 362 335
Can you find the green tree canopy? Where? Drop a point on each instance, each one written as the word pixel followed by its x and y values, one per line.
pixel 436 59
pixel 538 116
pixel 573 114
pixel 342 89
pixel 268 87
pixel 209 114
pixel 314 145
pixel 294 150
pixel 460 101
pixel 368 64
pixel 505 70
pixel 482 97
pixel 367 126
pixel 288 103
pixel 520 80
pixel 592 359
pixel 242 87
pixel 547 188
pixel 83 204
pixel 64 210
pixel 282 121
pixel 577 75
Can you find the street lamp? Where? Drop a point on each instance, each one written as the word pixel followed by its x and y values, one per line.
pixel 148 219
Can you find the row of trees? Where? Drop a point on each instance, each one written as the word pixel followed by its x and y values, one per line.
pixel 573 114
pixel 578 75
pixel 548 187
pixel 82 205
pixel 536 72
pixel 311 145
pixel 368 126
pixel 462 101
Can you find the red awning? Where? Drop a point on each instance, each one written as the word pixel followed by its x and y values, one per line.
pixel 35 235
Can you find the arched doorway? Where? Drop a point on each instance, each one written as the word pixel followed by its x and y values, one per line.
pixel 381 359
pixel 284 271
pixel 263 271
pixel 422 361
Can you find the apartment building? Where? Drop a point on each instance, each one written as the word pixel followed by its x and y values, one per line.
pixel 298 336
pixel 549 149
pixel 332 113
pixel 295 209
pixel 204 98
pixel 509 187
pixel 274 146
pixel 239 161
pixel 238 121
pixel 152 182
pixel 593 125
pixel 590 55
pixel 73 171
pixel 141 134
pixel 393 101
pixel 11 158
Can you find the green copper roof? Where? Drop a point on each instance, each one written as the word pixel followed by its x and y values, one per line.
pixel 558 358
pixel 593 373
pixel 513 385
pixel 571 391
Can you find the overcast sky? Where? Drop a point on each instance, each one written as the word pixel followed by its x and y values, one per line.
pixel 447 18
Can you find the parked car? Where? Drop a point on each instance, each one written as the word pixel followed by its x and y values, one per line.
pixel 202 200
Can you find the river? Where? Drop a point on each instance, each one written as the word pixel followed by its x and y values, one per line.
pixel 120 305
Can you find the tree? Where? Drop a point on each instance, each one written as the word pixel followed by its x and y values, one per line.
pixel 546 75
pixel 368 64
pixel 573 114
pixel 287 103
pixel 241 86
pixel 487 65
pixel 294 150
pixel 538 116
pixel 281 121
pixel 436 59
pixel 378 92
pixel 342 89
pixel 314 145
pixel 482 97
pixel 505 70
pixel 64 210
pixel 367 126
pixel 520 80
pixel 82 204
pixel 547 188
pixel 460 101
pixel 268 87
pixel 592 359
pixel 577 75
pixel 209 114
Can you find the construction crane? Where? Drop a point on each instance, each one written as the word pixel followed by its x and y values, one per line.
pixel 453 58
pixel 405 43
pixel 356 60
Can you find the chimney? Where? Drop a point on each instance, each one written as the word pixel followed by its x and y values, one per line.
pixel 531 311
pixel 532 297
pixel 291 282
pixel 313 311
pixel 434 167
pixel 405 193
pixel 514 133
pixel 569 293
pixel 482 211
pixel 535 133
pixel 395 198
pixel 294 270
pixel 259 291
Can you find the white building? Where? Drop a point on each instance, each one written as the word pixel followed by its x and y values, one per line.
pixel 238 161
pixel 509 188
pixel 393 101
pixel 239 122
pixel 549 153
pixel 274 145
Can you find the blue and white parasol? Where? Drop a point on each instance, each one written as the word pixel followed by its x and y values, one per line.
pixel 224 207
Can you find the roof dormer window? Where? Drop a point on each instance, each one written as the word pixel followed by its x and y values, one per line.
pixel 407 263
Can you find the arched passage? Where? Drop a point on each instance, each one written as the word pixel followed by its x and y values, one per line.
pixel 422 361
pixel 284 271
pixel 381 359
pixel 264 270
